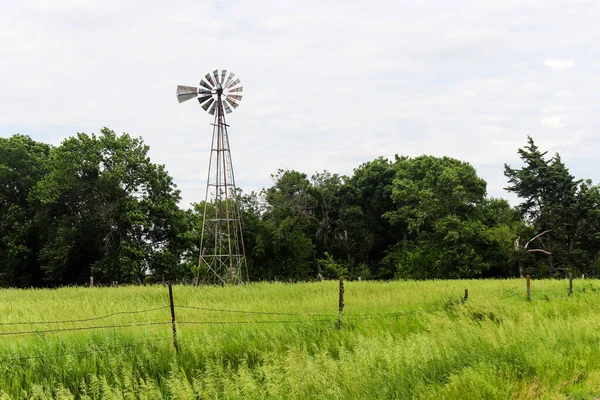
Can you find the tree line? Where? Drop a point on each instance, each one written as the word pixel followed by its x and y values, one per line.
pixel 97 206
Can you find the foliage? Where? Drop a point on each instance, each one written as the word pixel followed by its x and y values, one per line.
pixel 97 205
pixel 450 231
pixel 100 207
pixel 562 210
pixel 23 162
pixel 368 233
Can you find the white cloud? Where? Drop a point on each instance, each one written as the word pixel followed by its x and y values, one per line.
pixel 563 93
pixel 559 64
pixel 553 122
pixel 555 110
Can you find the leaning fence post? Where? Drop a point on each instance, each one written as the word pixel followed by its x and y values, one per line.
pixel 173 318
pixel 570 284
pixel 528 287
pixel 466 295
pixel 341 303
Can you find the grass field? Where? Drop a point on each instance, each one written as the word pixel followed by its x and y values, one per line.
pixel 399 340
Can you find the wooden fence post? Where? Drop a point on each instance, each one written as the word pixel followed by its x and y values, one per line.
pixel 528 287
pixel 570 284
pixel 341 303
pixel 91 281
pixel 175 344
pixel 466 295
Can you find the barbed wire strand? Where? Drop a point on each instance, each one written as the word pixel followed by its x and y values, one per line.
pixel 534 291
pixel 69 321
pixel 255 312
pixel 84 328
pixel 503 293
pixel 352 316
pixel 252 322
pixel 299 314
pixel 522 293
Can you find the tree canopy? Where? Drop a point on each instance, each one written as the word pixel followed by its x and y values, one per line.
pixel 98 206
pixel 563 212
pixel 93 206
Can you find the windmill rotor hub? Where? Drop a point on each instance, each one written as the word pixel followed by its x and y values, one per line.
pixel 215 88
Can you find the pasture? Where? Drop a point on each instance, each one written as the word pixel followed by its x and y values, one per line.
pixel 398 340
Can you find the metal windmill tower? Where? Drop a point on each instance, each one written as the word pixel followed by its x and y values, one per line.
pixel 222 257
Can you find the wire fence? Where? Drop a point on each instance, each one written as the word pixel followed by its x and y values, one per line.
pixel 81 328
pixel 70 321
pixel 256 312
pixel 508 292
pixel 308 318
pixel 299 318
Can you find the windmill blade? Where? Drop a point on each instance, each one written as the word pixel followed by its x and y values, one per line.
pixel 186 89
pixel 204 84
pixel 223 73
pixel 227 108
pixel 216 74
pixel 236 89
pixel 233 103
pixel 203 99
pixel 185 93
pixel 185 97
pixel 208 104
pixel 213 108
pixel 235 97
pixel 231 75
pixel 202 91
pixel 210 80
pixel 232 84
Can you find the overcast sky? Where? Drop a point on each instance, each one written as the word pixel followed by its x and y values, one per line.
pixel 328 85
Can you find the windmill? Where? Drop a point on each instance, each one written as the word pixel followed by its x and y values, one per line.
pixel 222 255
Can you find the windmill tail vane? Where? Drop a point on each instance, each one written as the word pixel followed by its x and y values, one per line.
pixel 222 256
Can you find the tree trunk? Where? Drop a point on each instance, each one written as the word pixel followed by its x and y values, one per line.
pixel 551 257
pixel 520 268
pixel 317 266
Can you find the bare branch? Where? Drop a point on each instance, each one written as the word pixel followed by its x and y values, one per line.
pixel 536 236
pixel 539 251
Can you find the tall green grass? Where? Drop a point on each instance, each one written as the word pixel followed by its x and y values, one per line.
pixel 398 340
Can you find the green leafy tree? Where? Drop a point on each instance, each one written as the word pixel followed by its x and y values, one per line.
pixel 561 210
pixel 23 162
pixel 365 199
pixel 586 255
pixel 108 211
pixel 284 247
pixel 328 226
pixel 441 204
